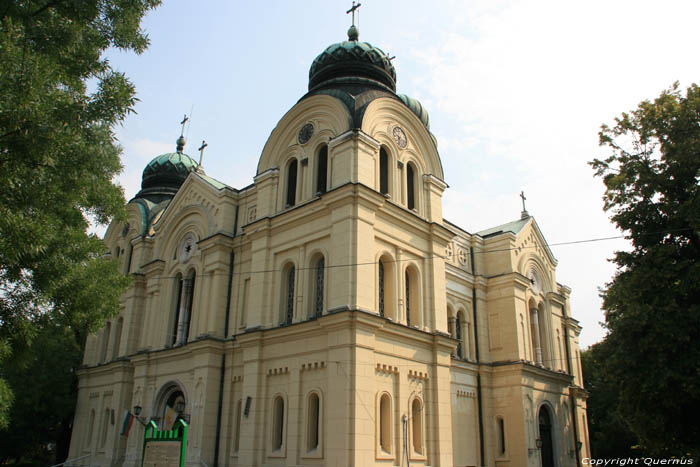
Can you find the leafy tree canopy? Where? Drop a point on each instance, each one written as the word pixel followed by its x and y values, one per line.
pixel 652 311
pixel 58 158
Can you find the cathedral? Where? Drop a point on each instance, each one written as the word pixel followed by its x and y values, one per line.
pixel 328 314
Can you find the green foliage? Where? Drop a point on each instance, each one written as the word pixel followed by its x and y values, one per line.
pixel 652 309
pixel 45 399
pixel 58 158
pixel 608 431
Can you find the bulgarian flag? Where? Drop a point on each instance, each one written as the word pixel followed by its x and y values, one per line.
pixel 128 421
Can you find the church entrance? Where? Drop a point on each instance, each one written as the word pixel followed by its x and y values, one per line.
pixel 172 410
pixel 547 450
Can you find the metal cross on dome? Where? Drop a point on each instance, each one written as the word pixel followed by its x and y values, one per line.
pixel 522 195
pixel 352 10
pixel 184 120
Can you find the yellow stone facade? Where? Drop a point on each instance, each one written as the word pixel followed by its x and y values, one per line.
pixel 334 318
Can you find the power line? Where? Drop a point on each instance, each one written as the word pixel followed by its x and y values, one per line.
pixel 497 250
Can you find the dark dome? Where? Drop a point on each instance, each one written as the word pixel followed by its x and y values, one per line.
pixel 165 174
pixel 352 62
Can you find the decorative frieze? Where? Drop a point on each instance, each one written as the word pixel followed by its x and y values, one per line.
pixel 413 374
pixel 313 366
pixel 387 369
pixel 277 371
pixel 465 393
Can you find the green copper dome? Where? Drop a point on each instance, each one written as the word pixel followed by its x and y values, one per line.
pixel 352 62
pixel 165 174
pixel 417 108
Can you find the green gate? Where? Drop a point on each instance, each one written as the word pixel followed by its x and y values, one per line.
pixel 164 448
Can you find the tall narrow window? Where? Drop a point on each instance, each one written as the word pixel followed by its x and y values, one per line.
pixel 410 187
pixel 322 170
pixel 458 334
pixel 237 434
pixel 176 318
pixel 289 305
pixel 105 427
pixel 186 301
pixel 313 422
pixel 417 425
pixel 105 342
pixel 383 171
pixel 292 183
pixel 381 288
pixel 278 423
pixel 501 436
pixel 408 298
pixel 318 299
pixel 91 428
pixel 117 337
pixel 385 423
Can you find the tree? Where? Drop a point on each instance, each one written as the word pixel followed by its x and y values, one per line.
pixel 652 311
pixel 58 157
pixel 609 433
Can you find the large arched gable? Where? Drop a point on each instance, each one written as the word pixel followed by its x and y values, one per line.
pixel 329 117
pixel 379 120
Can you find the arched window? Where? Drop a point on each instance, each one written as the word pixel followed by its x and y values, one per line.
pixel 381 288
pixel 385 423
pixel 322 170
pixel 501 430
pixel 289 295
pixel 318 286
pixel 535 334
pixel 410 186
pixel 412 298
pixel 385 287
pixel 313 422
pixel 184 312
pixel 383 171
pixel 291 183
pixel 105 342
pixel 277 423
pixel 544 341
pixel 417 425
pixel 176 314
pixel 459 322
pixel 237 434
pixel 117 337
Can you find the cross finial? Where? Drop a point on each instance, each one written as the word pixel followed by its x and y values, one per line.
pixel 184 120
pixel 352 10
pixel 201 152
pixel 523 214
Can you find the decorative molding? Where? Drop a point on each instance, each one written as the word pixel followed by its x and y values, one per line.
pixel 388 369
pixel 277 371
pixel 313 366
pixel 468 394
pixel 412 374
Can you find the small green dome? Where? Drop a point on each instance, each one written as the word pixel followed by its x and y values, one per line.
pixel 165 174
pixel 417 108
pixel 352 61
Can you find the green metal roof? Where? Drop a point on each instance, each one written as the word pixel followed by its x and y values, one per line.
pixel 513 227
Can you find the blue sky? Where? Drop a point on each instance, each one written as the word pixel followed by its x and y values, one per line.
pixel 516 91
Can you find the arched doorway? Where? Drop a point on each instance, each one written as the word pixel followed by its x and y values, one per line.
pixel 547 449
pixel 171 407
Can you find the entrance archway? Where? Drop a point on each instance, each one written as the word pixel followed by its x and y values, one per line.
pixel 171 407
pixel 547 450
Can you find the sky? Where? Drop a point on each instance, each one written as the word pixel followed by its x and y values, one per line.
pixel 516 92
